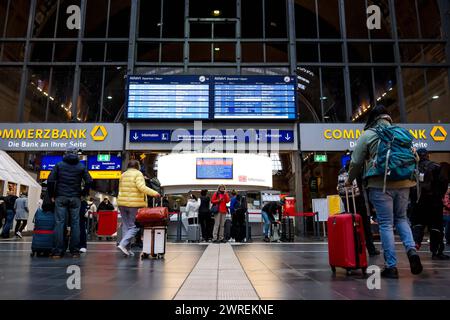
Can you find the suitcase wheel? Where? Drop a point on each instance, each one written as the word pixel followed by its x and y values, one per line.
pixel 364 271
pixel 154 256
pixel 349 272
pixel 144 256
pixel 333 269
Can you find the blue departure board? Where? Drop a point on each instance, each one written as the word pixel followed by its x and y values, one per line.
pixel 168 97
pixel 215 168
pixel 255 97
pixel 212 97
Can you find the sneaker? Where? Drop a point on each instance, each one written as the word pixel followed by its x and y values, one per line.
pixel 390 273
pixel 83 250
pixel 19 235
pixel 440 256
pixel 124 250
pixel 131 253
pixel 223 241
pixel 266 239
pixel 374 253
pixel 414 262
pixel 216 241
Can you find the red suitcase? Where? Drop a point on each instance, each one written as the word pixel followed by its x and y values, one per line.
pixel 107 223
pixel 346 242
pixel 153 217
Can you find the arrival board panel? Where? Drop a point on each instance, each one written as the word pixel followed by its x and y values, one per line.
pixel 215 168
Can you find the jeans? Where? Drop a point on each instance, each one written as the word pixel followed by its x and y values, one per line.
pixel 447 228
pixel 129 228
pixel 267 223
pixel 83 233
pixel 9 221
pixel 65 206
pixel 391 210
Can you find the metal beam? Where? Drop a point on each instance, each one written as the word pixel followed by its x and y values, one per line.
pixel 132 38
pixel 444 8
pixel 24 79
pixel 292 35
pixel 347 89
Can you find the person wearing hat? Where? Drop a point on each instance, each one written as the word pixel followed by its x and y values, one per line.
pixel 427 211
pixel 65 189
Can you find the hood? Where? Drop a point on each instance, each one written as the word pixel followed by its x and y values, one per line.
pixel 71 159
pixel 384 119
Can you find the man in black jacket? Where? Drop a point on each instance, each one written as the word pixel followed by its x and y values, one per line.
pixel 65 189
pixel 428 211
pixel 9 202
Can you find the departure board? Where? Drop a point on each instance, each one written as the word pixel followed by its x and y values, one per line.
pixel 168 97
pixel 212 97
pixel 256 97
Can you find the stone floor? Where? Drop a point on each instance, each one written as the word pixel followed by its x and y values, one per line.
pixel 192 271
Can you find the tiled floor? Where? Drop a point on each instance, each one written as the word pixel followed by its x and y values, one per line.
pixel 191 271
pixel 301 271
pixel 105 273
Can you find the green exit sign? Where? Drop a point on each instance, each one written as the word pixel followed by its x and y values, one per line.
pixel 104 158
pixel 320 158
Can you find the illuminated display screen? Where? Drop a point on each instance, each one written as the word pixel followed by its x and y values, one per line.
pixel 168 97
pixel 215 168
pixel 255 98
pixel 215 97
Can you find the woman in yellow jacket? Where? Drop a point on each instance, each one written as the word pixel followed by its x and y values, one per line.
pixel 132 196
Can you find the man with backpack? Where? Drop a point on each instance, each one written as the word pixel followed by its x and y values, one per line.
pixel 386 155
pixel 428 210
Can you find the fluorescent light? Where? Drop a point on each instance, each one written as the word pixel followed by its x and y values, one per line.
pixel 435 97
pixel 216 13
pixel 51 98
pixel 110 97
pixel 390 89
pixel 324 98
pixel 384 94
pixel 379 99
pixel 216 49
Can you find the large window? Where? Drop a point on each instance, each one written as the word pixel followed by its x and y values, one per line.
pixel 345 68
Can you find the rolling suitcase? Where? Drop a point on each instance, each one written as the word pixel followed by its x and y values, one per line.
pixel 287 229
pixel 346 243
pixel 227 229
pixel 193 231
pixel 107 224
pixel 275 232
pixel 43 234
pixel 154 243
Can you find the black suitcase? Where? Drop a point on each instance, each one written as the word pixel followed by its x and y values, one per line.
pixel 287 230
pixel 227 229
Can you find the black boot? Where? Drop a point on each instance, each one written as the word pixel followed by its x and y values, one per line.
pixel 414 262
pixel 440 256
pixel 390 273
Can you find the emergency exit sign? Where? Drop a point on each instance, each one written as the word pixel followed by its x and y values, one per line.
pixel 320 158
pixel 104 158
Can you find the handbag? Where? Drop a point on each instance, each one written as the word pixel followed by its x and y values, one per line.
pixel 215 209
pixel 152 217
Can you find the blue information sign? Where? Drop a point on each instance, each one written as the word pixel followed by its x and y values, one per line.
pixel 216 97
pixel 167 136
pixel 115 164
pixel 49 162
pixel 215 168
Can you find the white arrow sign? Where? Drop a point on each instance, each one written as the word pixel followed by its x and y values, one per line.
pixel 135 137
pixel 288 137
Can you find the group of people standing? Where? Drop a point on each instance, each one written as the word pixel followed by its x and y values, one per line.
pixel 13 208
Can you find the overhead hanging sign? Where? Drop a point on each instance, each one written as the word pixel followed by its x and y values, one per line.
pixel 169 136
pixel 61 136
pixel 344 136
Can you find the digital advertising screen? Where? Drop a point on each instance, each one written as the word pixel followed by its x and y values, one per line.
pixel 168 97
pixel 215 168
pixel 211 98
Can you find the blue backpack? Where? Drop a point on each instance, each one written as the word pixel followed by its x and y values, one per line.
pixel 396 159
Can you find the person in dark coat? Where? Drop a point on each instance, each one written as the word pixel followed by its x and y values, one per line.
pixel 204 216
pixel 65 189
pixel 10 201
pixel 105 205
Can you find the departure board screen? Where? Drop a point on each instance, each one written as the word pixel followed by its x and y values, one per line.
pixel 212 97
pixel 256 97
pixel 168 97
pixel 215 168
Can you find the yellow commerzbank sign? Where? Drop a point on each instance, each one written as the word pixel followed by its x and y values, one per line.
pixel 60 136
pixel 54 134
pixel 437 133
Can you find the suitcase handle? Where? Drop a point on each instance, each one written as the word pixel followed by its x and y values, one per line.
pixel 353 198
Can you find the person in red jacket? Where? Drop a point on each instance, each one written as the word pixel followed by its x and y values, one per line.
pixel 220 211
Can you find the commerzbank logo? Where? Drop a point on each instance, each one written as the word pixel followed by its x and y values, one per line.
pixel 438 134
pixel 99 133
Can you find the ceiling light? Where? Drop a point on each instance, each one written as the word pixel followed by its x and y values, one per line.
pixel 216 13
pixel 217 49
pixel 435 97
pixel 379 99
pixel 110 97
